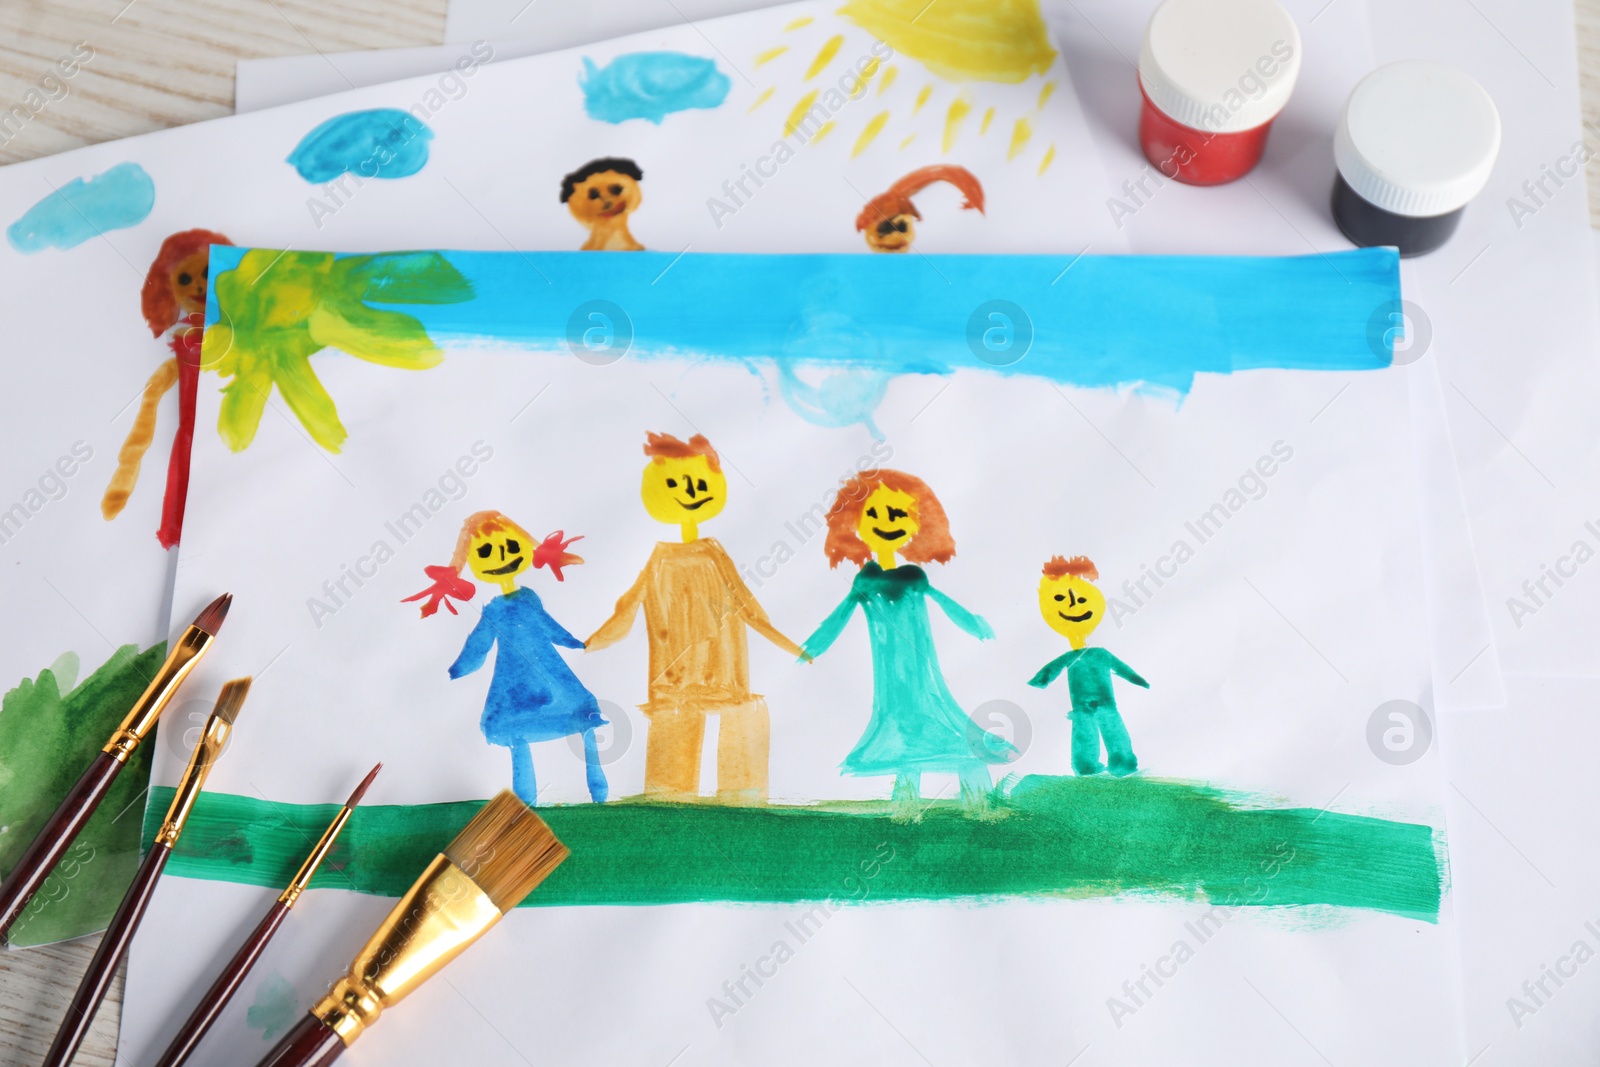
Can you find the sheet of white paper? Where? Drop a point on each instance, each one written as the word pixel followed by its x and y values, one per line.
pixel 569 25
pixel 277 80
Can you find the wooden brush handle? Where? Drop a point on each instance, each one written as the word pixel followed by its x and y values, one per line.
pixel 309 1044
pixel 216 998
pixel 57 836
pixel 103 966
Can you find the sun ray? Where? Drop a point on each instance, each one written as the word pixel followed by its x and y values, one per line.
pixel 959 108
pixel 1020 134
pixel 890 73
pixel 792 123
pixel 762 99
pixel 922 98
pixel 825 54
pixel 827 128
pixel 874 125
pixel 763 58
pixel 866 75
pixel 988 117
pixel 907 141
pixel 798 23
pixel 1049 157
pixel 1045 93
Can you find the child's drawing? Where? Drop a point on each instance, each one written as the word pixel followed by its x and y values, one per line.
pixel 384 142
pixel 601 194
pixel 887 220
pixel 1073 606
pixel 916 724
pixel 278 309
pixel 696 609
pixel 651 86
pixel 85 208
pixel 962 40
pixel 534 695
pixel 173 298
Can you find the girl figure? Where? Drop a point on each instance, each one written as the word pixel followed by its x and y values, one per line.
pixel 888 220
pixel 534 695
pixel 916 724
pixel 174 295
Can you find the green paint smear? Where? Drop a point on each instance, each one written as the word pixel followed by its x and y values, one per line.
pixel 47 739
pixel 276 1008
pixel 1049 837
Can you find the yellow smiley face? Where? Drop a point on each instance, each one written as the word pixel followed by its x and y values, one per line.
pixel 682 490
pixel 1072 605
pixel 888 521
pixel 498 556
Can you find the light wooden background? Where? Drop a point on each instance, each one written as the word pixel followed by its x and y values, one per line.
pixel 160 63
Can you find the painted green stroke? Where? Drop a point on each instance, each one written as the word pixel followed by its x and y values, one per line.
pixel 1051 837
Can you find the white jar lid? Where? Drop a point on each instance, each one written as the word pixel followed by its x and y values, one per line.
pixel 1417 138
pixel 1223 66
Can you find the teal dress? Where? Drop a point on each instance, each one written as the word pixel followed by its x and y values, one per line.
pixel 916 724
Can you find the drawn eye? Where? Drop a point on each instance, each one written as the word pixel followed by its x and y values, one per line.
pixel 184 278
pixel 701 485
pixel 896 513
pixel 872 513
pixel 885 228
pixel 513 546
pixel 594 194
pixel 672 483
pixel 902 225
pixel 615 190
pixel 1060 597
pixel 485 550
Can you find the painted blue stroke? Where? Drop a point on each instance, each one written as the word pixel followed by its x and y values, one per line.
pixel 1106 321
pixel 84 208
pixel 382 143
pixel 651 85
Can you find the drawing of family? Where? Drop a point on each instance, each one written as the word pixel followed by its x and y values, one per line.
pixel 697 610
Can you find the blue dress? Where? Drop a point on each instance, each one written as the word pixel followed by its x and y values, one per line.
pixel 534 695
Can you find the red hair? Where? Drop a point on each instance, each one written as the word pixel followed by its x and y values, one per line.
pixel 932 543
pixel 1077 566
pixel 159 305
pixel 666 446
pixel 897 200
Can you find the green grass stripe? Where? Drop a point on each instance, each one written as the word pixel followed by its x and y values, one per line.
pixel 1049 837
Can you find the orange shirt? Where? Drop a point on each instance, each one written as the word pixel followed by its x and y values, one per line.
pixel 696 608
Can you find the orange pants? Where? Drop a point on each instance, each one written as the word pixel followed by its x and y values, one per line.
pixel 674 741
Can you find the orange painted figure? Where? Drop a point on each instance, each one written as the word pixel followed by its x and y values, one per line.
pixel 174 295
pixel 696 610
pixel 601 194
pixel 887 220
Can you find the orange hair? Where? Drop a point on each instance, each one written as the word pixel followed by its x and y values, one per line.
pixel 897 200
pixel 932 543
pixel 1077 566
pixel 482 522
pixel 666 446
pixel 159 305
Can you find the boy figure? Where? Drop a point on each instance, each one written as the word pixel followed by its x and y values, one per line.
pixel 601 194
pixel 696 608
pixel 1073 607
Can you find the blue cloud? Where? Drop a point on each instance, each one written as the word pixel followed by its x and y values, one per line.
pixel 382 143
pixel 84 208
pixel 651 85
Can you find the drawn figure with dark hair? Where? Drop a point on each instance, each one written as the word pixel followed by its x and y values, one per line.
pixel 601 194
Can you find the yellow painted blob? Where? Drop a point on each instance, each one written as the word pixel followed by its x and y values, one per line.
pixel 499 554
pixel 988 117
pixel 823 131
pixel 1049 158
pixel 874 125
pixel 763 58
pixel 798 23
pixel 890 73
pixel 825 54
pixel 907 141
pixel 762 99
pixel 962 40
pixel 960 107
pixel 887 523
pixel 683 492
pixel 922 98
pixel 1021 134
pixel 866 75
pixel 792 123
pixel 1072 605
pixel 1045 93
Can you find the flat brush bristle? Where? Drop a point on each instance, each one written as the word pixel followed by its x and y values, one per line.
pixel 507 850
pixel 360 790
pixel 231 699
pixel 210 619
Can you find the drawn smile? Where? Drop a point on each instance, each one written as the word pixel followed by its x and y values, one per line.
pixel 509 568
pixel 1085 617
pixel 612 212
pixel 702 502
pixel 889 535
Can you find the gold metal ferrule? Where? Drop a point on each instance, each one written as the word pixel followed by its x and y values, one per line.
pixel 206 751
pixel 324 845
pixel 443 914
pixel 180 661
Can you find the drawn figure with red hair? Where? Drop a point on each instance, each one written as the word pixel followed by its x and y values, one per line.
pixel 887 218
pixel 173 298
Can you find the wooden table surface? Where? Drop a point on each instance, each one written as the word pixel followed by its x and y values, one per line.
pixel 160 63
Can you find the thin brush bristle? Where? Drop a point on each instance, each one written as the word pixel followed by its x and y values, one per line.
pixel 507 850
pixel 231 699
pixel 210 619
pixel 360 790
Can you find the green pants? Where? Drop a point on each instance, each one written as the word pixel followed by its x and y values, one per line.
pixel 1088 728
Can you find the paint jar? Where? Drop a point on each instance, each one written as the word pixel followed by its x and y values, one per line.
pixel 1415 144
pixel 1214 74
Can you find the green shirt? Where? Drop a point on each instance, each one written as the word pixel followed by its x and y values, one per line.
pixel 1089 672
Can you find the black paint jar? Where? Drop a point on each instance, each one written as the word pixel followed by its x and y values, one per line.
pixel 1416 142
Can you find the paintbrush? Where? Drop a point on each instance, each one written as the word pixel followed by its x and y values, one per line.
pixel 496 860
pixel 119 934
pixel 216 998
pixel 52 842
